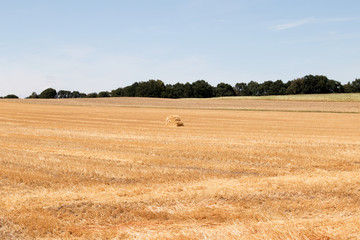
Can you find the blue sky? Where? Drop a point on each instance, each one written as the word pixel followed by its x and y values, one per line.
pixel 95 45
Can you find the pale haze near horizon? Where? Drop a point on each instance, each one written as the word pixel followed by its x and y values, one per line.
pixel 93 45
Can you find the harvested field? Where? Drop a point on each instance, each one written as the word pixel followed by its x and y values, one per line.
pixel 291 103
pixel 103 169
pixel 330 97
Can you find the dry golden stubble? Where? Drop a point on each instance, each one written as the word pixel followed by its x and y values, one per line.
pixel 108 172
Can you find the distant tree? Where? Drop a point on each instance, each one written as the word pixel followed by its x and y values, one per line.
pixel 356 85
pixel 130 91
pixel 183 90
pixel 304 85
pixel 64 94
pixel 295 86
pixel 169 91
pixel 151 88
pixel 333 86
pixel 11 96
pixel 277 88
pixel 348 88
pixel 75 94
pixel 254 88
pixel 178 90
pixel 353 87
pixel 48 93
pixel 242 89
pixel 224 89
pixel 33 95
pixel 187 90
pixel 310 85
pixel 314 84
pixel 117 92
pixel 202 89
pixel 264 88
pixel 92 95
pixel 103 94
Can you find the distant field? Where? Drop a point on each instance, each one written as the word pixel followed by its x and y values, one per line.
pixel 111 169
pixel 303 103
pixel 336 97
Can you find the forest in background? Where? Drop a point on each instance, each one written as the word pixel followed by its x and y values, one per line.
pixel 309 84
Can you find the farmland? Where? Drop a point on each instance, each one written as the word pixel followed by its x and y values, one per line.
pixel 238 169
pixel 335 97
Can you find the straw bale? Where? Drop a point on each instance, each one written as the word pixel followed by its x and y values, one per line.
pixel 174 121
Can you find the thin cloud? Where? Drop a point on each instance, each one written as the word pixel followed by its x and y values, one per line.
pixel 306 21
pixel 328 20
pixel 289 25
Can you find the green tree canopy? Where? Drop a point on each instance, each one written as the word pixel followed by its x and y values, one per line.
pixel 224 89
pixel 178 90
pixel 48 93
pixel 202 89
pixel 151 88
pixel 130 91
pixel 103 94
pixel 64 94
pixel 242 89
pixel 355 85
pixel 11 96
pixel 33 95
pixel 254 88
pixel 308 84
pixel 277 88
pixel 119 92
pixel 92 95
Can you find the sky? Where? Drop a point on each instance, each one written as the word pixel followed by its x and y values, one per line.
pixel 100 45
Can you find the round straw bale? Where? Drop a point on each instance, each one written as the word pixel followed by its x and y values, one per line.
pixel 174 121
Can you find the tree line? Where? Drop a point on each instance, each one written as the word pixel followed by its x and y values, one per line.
pixel 310 84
